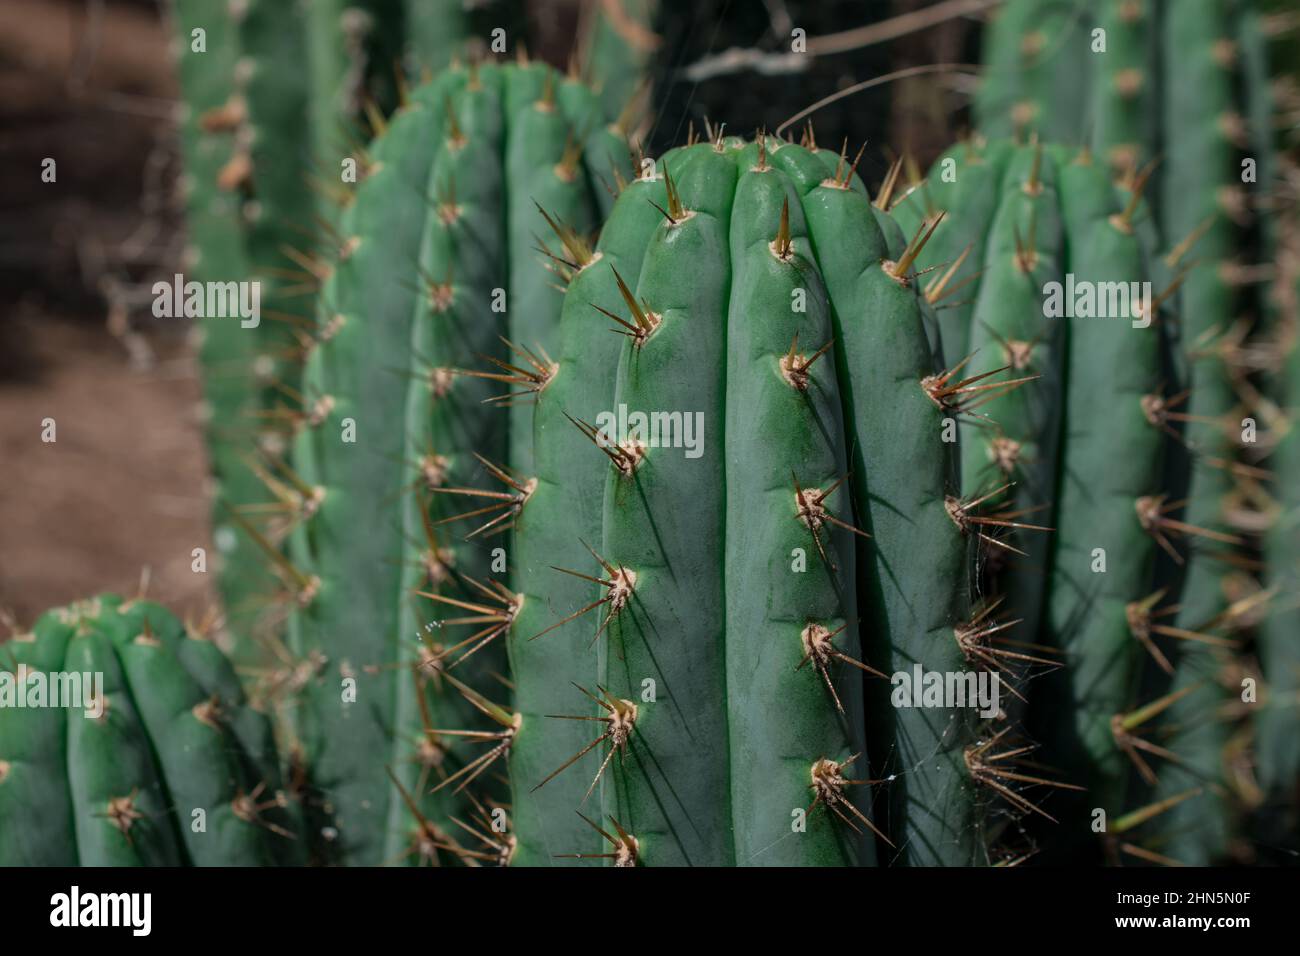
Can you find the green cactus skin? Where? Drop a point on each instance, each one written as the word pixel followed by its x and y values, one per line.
pixel 711 778
pixel 215 253
pixel 616 56
pixel 769 745
pixel 175 735
pixel 1009 328
pixel 1202 105
pixel 1202 168
pixel 1037 58
pixel 276 137
pixel 720 758
pixel 1278 746
pixel 354 51
pixel 1108 462
pixel 563 512
pixel 664 522
pixel 1124 95
pixel 914 578
pixel 964 186
pixel 451 177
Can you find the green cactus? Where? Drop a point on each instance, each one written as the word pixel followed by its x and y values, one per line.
pixel 731 663
pixel 160 760
pixel 902 454
pixel 215 253
pixel 396 370
pixel 277 101
pixel 1035 52
pixel 1278 747
pixel 618 45
pixel 1183 86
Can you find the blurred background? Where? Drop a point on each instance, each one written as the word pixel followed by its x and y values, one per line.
pixel 124 490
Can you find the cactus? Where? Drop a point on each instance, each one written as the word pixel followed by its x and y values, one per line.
pixel 160 760
pixel 1187 84
pixel 215 253
pixel 617 47
pixel 728 665
pixel 1279 750
pixel 1091 590
pixel 276 100
pixel 404 406
pixel 906 459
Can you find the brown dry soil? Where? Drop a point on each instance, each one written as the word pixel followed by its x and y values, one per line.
pixel 120 490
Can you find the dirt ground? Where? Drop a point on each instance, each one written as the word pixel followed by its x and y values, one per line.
pixel 122 488
pixel 120 492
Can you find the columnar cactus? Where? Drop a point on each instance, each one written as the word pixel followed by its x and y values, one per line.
pixel 1185 88
pixel 215 253
pixel 755 289
pixel 158 761
pixel 278 97
pixel 667 580
pixel 440 263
